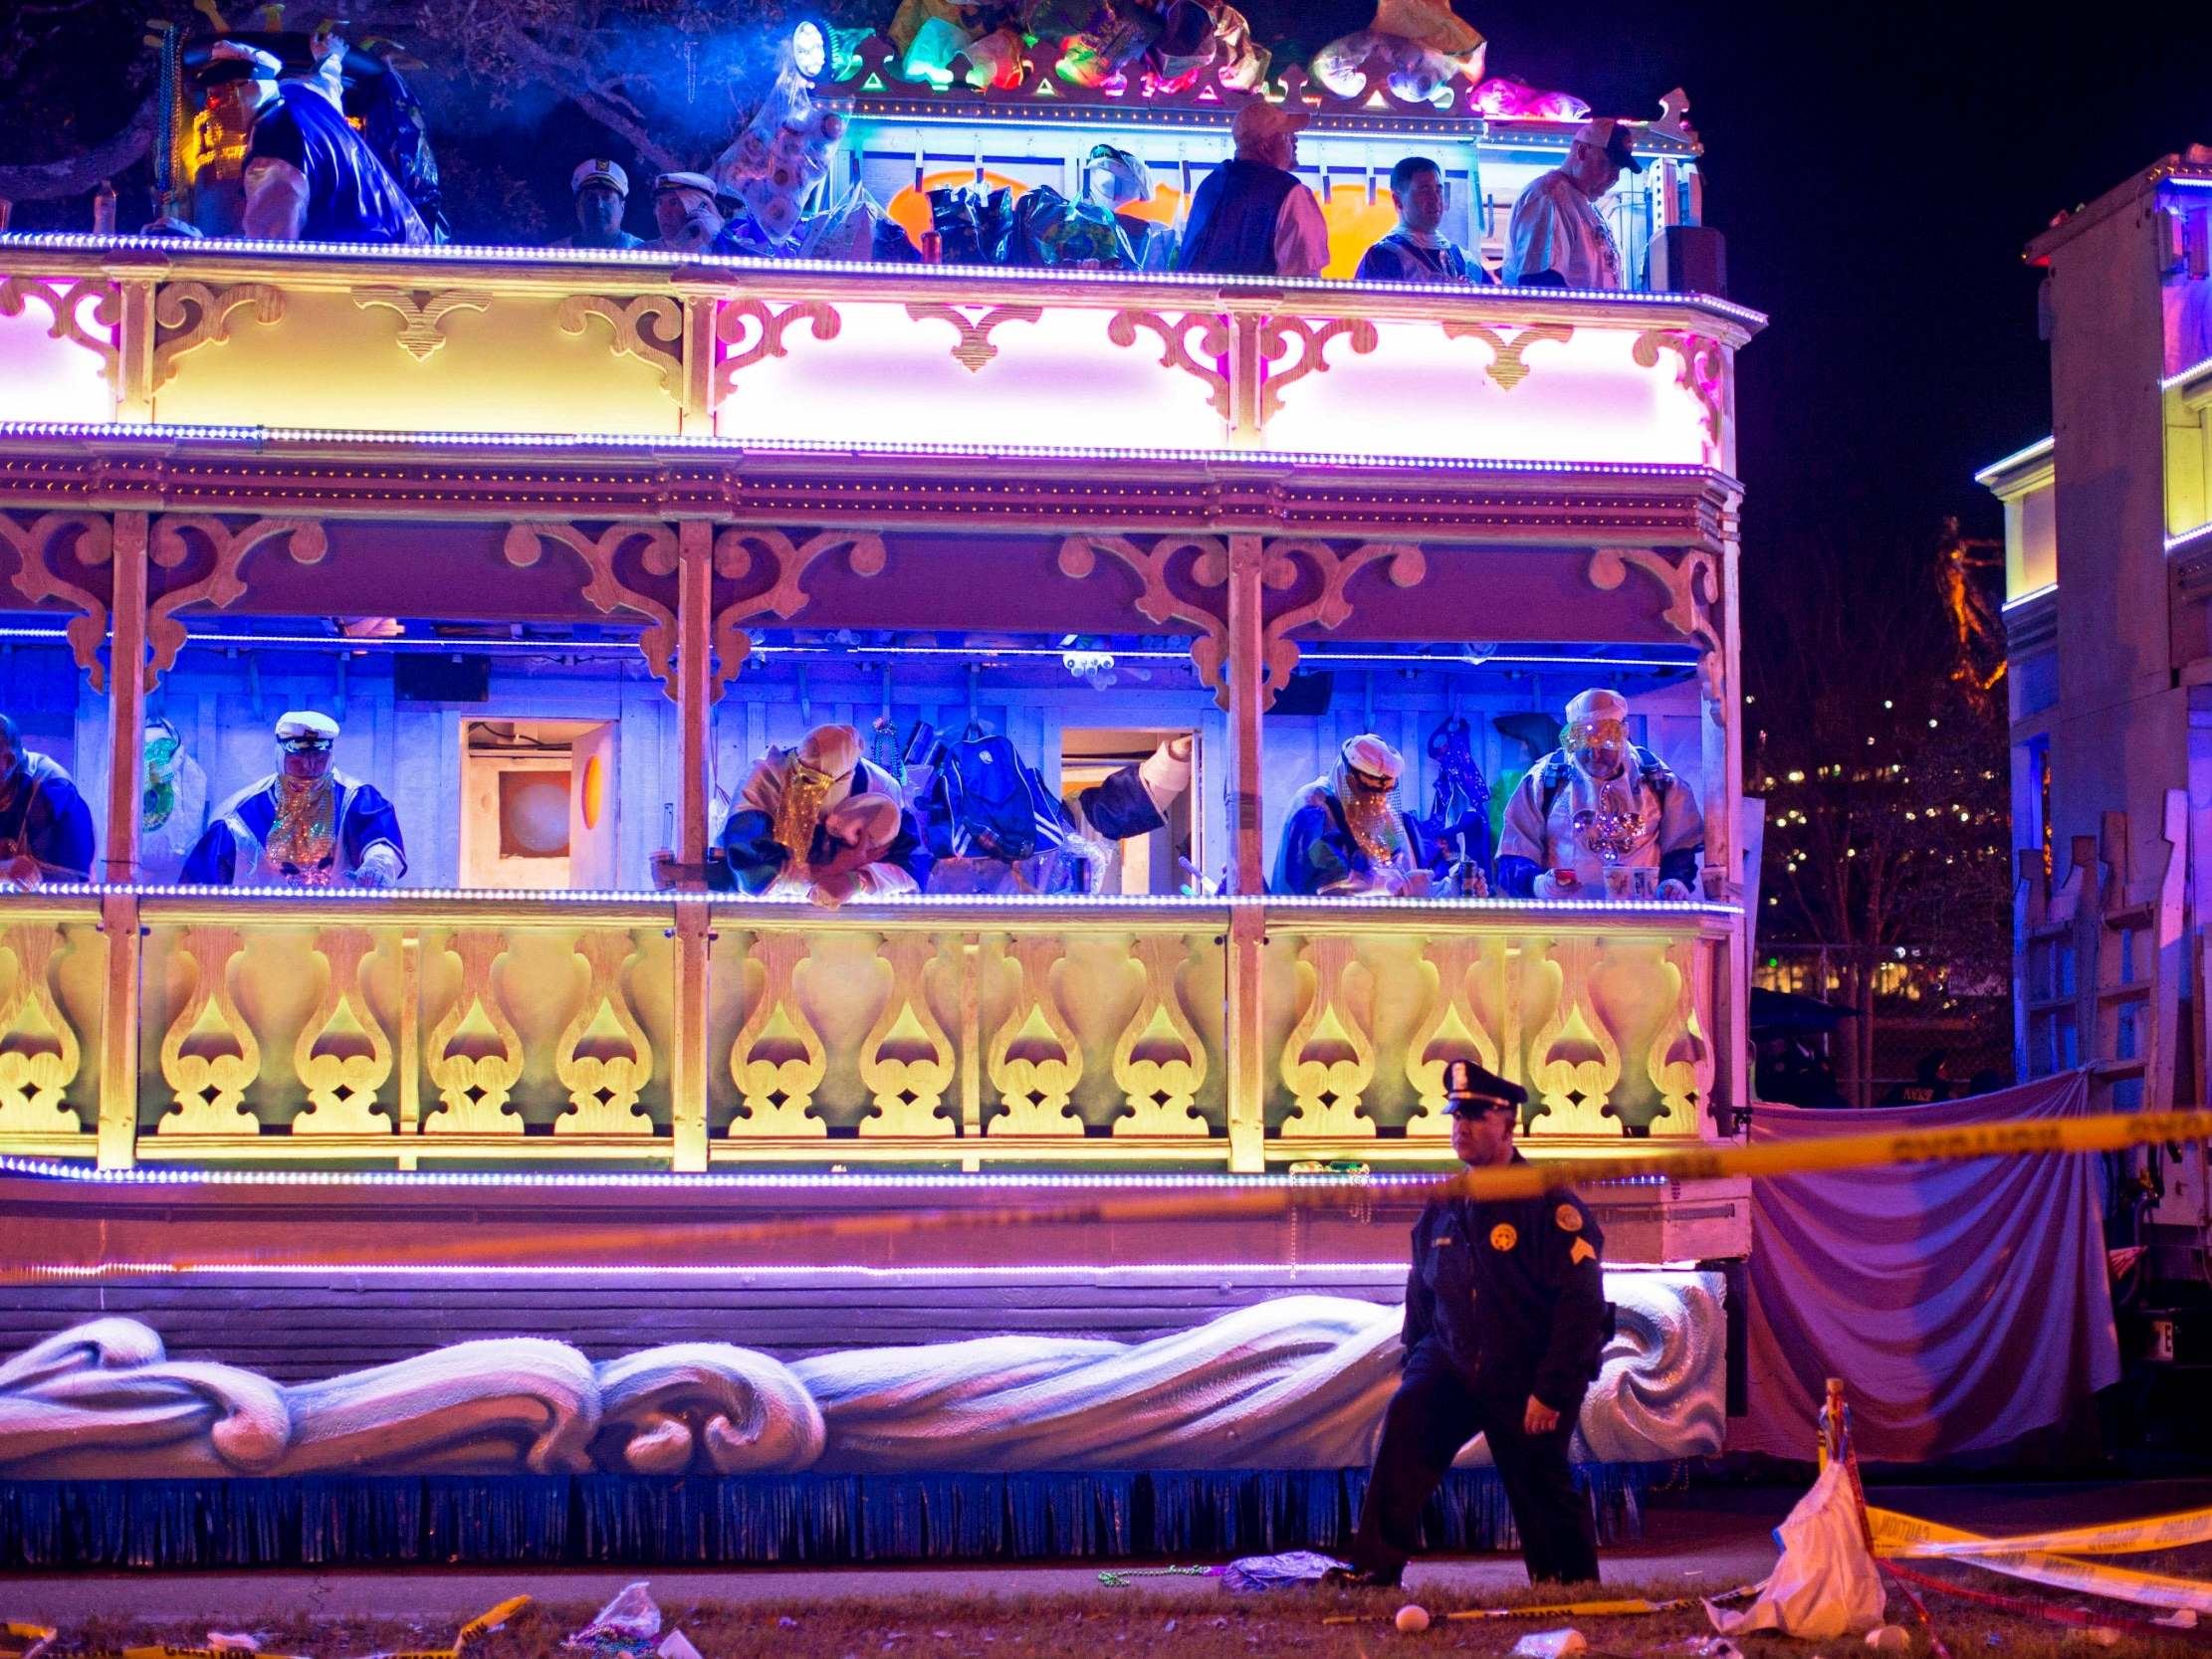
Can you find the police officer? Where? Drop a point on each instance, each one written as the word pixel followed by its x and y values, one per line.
pixel 1505 1317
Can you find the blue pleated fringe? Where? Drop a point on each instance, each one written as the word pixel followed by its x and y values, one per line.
pixel 680 1520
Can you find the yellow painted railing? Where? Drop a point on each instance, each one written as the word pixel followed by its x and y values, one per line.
pixel 641 345
pixel 167 1024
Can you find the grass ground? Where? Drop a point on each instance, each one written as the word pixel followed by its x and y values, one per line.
pixel 1196 1621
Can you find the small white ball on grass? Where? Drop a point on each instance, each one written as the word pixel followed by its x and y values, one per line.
pixel 1412 1618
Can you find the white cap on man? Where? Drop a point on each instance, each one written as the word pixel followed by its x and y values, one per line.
pixel 599 170
pixel 1597 704
pixel 296 723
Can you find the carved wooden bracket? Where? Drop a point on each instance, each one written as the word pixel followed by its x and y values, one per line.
pixel 474 1055
pixel 606 591
pixel 778 1060
pixel 1159 1060
pixel 1451 1029
pixel 1402 562
pixel 39 1053
pixel 739 553
pixel 65 305
pixel 342 1079
pixel 906 1059
pixel 1035 1061
pixel 422 313
pixel 35 544
pixel 1212 331
pixel 1574 1060
pixel 171 545
pixel 188 316
pixel 1313 341
pixel 1328 1060
pixel 1692 581
pixel 1157 601
pixel 1701 371
pixel 604 1087
pixel 650 328
pixel 766 327
pixel 1509 366
pixel 972 347
pixel 209 1085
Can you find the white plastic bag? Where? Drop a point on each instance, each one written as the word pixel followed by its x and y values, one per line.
pixel 1550 1644
pixel 1826 1584
pixel 631 1616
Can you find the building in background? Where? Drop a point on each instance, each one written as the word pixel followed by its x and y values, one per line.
pixel 2108 624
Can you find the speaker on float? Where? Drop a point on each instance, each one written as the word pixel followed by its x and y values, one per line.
pixel 441 678
pixel 1689 259
pixel 1308 693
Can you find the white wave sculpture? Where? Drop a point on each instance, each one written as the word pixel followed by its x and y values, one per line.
pixel 1296 1383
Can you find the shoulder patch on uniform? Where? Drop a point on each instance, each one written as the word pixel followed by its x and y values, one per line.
pixel 1582 1252
pixel 1503 1237
pixel 1568 1217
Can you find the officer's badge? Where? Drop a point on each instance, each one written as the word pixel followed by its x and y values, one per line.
pixel 1502 1237
pixel 1568 1217
pixel 1581 1252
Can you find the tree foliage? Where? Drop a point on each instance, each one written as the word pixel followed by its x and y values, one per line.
pixel 1886 779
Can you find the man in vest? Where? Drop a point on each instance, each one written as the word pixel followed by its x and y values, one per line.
pixel 1251 217
pixel 1557 237
pixel 1595 804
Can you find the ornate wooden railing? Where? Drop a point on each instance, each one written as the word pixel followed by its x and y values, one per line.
pixel 452 339
pixel 682 1031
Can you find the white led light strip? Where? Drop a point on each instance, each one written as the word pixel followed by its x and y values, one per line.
pixel 651 443
pixel 659 1180
pixel 798 903
pixel 216 250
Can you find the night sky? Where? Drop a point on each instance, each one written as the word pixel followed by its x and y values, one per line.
pixel 1876 170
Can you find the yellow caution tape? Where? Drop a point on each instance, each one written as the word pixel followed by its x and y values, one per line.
pixel 166 1652
pixel 1897 1536
pixel 1567 1609
pixel 2108 1133
pixel 2121 1538
pixel 487 1622
pixel 39 1637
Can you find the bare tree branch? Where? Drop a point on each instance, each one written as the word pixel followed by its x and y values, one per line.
pixel 73 175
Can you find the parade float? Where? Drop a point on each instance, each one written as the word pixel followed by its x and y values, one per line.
pixel 352 1225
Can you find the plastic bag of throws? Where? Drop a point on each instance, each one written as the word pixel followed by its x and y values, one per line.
pixel 631 1616
pixel 1550 1644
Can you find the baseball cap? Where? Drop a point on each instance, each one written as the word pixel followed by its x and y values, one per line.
pixel 1612 137
pixel 1259 121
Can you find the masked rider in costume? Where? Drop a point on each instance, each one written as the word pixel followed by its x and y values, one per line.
pixel 1597 804
pixel 175 803
pixel 308 176
pixel 45 829
pixel 817 820
pixel 1347 837
pixel 305 825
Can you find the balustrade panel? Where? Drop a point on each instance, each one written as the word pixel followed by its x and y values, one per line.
pixel 54 959
pixel 1608 1025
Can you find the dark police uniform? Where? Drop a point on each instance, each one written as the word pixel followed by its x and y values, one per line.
pixel 1505 1300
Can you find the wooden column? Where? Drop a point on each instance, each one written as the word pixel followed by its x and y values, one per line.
pixel 692 935
pixel 118 1146
pixel 694 682
pixel 1247 929
pixel 126 699
pixel 694 940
